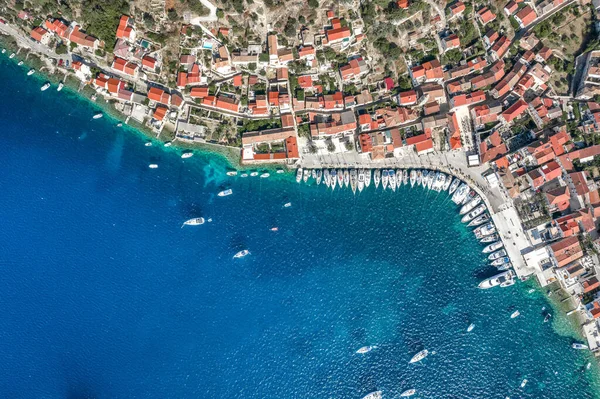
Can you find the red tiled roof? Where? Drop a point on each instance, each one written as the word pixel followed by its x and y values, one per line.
pixel 149 62
pixel 124 30
pixel 199 92
pixel 160 112
pixel 38 33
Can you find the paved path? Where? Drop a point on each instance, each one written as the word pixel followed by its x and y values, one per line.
pixel 25 41
pixel 212 15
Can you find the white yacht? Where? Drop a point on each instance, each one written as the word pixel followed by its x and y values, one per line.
pixel 493 247
pixel 60 87
pixel 225 193
pixel 45 87
pixel 484 230
pixel 353 179
pixel 3 50
pixel 319 176
pixel 419 356
pixel 153 166
pixel 430 180
pixel 577 345
pixel 384 178
pixel 419 176
pixel 305 175
pixel 489 239
pixel 12 55
pixel 167 143
pixel 515 314
pixel 340 175
pixel 186 155
pixel 298 175
pixel 407 393
pixel 232 173
pixel 193 222
pixel 326 177
pixel 361 180
pixel 439 183
pixel 333 178
pixel 244 175
pixel 377 177
pixel 346 177
pixel 20 63
pixel 374 395
pixel 453 186
pixel 148 144
pixel 398 178
pixel 367 177
pixel 469 206
pixel 98 115
pixel 447 183
pixel 392 179
pixel 253 174
pixel 241 254
pixel 461 193
pixel 413 177
pixel 524 382
pixel 497 254
pixel 501 261
pixel 287 205
pixel 473 214
pixel 279 171
pixel 265 175
pixel 424 174
pixel 366 349
pixel 479 220
pixel 495 280
pixel 471 327
pixel 405 177
pixel 30 72
pixel 314 174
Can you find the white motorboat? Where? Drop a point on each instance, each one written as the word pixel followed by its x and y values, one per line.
pixel 319 176
pixel 407 393
pixel 153 166
pixel 504 267
pixel 377 177
pixel 384 178
pixel 578 346
pixel 471 327
pixel 241 254
pixel 244 175
pixel 314 174
pixel 148 144
pixel 232 173
pixel 430 180
pixel 493 247
pixel 193 222
pixel 398 178
pixel 501 261
pixel 186 155
pixel 469 206
pixel 253 174
pixel 45 87
pixel 425 178
pixel 515 314
pixel 413 177
pixel 419 177
pixel 353 180
pixel 498 254
pixel 495 280
pixel 479 220
pixel 447 183
pixel 489 239
pixel 366 349
pixel 361 180
pixel 419 356
pixel 98 115
pixel 20 63
pixel 30 72
pixel 287 205
pixel 280 171
pixel 453 186
pixel 346 178
pixel 264 175
pixel 484 230
pixel 3 50
pixel 306 175
pixel 367 177
pixel 524 382
pixel 439 183
pixel 225 193
pixel 547 318
pixel 298 175
pixel 333 178
pixel 60 87
pixel 507 283
pixel 405 177
pixel 392 179
pixel 461 193
pixel 374 395
pixel 167 143
pixel 473 214
pixel 340 176
pixel 326 177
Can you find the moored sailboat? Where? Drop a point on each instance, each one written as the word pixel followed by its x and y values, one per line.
pixel 413 178
pixel 377 177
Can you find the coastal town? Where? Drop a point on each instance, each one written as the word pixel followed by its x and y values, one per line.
pixel 504 96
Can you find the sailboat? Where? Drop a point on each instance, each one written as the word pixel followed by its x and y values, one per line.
pixel 377 177
pixel 413 178
pixel 346 177
pixel 319 176
pixel 367 177
pixel 392 179
pixel 326 177
pixel 361 180
pixel 353 180
pixel 384 178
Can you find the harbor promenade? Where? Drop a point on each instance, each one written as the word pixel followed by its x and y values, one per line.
pixel 499 205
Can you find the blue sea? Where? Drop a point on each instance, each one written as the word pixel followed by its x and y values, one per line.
pixel 104 295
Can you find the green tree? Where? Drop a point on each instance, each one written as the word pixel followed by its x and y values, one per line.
pixel 313 4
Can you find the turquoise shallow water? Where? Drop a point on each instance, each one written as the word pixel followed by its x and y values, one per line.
pixel 104 295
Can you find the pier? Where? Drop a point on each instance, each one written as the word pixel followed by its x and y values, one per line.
pixel 499 205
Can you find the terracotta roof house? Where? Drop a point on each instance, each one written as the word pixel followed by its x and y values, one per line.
pixel 558 199
pixel 514 111
pixel 500 47
pixel 451 42
pixel 510 8
pixel 354 69
pixel 525 16
pixel 337 35
pixel 160 112
pixel 544 53
pixel 41 35
pixel 429 71
pixel 457 8
pixel 82 39
pixel 58 27
pixel 199 92
pixel 485 15
pixel 159 96
pixel 490 37
pixel 125 30
pixel 408 97
pixel 121 65
pixel 566 251
pixel 149 62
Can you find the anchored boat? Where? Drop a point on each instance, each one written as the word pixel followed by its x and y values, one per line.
pixel 419 356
